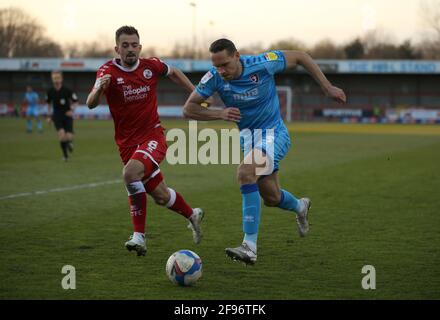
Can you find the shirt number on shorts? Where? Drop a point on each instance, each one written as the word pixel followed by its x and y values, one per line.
pixel 152 145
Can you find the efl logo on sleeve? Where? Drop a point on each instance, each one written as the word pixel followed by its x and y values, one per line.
pixel 270 56
pixel 206 77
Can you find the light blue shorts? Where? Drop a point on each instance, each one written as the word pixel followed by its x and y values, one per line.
pixel 32 111
pixel 275 143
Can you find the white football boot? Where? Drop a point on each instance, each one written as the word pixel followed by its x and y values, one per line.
pixel 242 253
pixel 195 224
pixel 137 243
pixel 302 217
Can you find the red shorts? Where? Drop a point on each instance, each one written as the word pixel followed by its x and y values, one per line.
pixel 151 152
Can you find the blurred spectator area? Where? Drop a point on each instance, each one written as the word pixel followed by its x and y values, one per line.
pixel 372 87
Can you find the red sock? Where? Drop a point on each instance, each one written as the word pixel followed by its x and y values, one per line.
pixel 137 201
pixel 138 211
pixel 179 205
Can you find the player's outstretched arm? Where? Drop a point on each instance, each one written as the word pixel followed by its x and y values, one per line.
pixel 95 95
pixel 193 109
pixel 294 58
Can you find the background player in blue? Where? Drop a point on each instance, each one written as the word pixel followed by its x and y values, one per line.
pixel 246 85
pixel 31 99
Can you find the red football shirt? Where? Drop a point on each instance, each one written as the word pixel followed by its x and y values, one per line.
pixel 132 98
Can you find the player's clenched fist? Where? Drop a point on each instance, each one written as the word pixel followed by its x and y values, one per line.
pixel 231 114
pixel 336 94
pixel 103 82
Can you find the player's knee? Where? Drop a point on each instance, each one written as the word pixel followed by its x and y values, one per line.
pixel 129 175
pixel 161 198
pixel 246 174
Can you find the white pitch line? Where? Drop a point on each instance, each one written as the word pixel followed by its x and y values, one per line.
pixel 81 186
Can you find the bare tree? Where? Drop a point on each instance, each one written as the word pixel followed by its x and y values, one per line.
pixel 94 49
pixel 408 51
pixel 355 49
pixel 429 49
pixel 183 51
pixel 429 46
pixel 430 13
pixel 380 45
pixel 254 48
pixel 376 38
pixel 21 36
pixel 326 49
pixel 288 44
pixel 98 49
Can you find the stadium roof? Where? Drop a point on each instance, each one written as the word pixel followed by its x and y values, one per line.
pixel 188 65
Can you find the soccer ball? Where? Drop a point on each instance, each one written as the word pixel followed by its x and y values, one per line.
pixel 184 267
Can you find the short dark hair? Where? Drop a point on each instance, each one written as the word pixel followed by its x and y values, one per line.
pixel 223 44
pixel 126 30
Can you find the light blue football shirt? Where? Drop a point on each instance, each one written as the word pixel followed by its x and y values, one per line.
pixel 31 98
pixel 254 92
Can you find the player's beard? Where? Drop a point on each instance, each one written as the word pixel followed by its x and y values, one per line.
pixel 130 60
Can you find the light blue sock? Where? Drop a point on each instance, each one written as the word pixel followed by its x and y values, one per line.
pixel 251 214
pixel 251 240
pixel 40 125
pixel 289 202
pixel 29 125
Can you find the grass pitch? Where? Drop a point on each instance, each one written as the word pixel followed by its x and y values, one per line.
pixel 375 192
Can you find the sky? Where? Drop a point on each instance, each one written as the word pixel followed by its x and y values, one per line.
pixel 162 23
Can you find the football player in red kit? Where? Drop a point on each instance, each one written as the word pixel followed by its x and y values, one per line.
pixel 129 84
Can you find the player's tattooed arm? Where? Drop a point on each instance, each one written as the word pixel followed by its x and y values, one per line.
pixel 179 78
pixel 193 109
pixel 100 86
pixel 293 58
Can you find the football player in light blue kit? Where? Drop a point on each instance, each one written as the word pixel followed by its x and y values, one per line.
pixel 246 85
pixel 31 98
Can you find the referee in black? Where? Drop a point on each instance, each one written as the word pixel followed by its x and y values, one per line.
pixel 61 102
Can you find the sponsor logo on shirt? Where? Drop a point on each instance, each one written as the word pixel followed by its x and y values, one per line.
pixel 132 94
pixel 246 95
pixel 120 80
